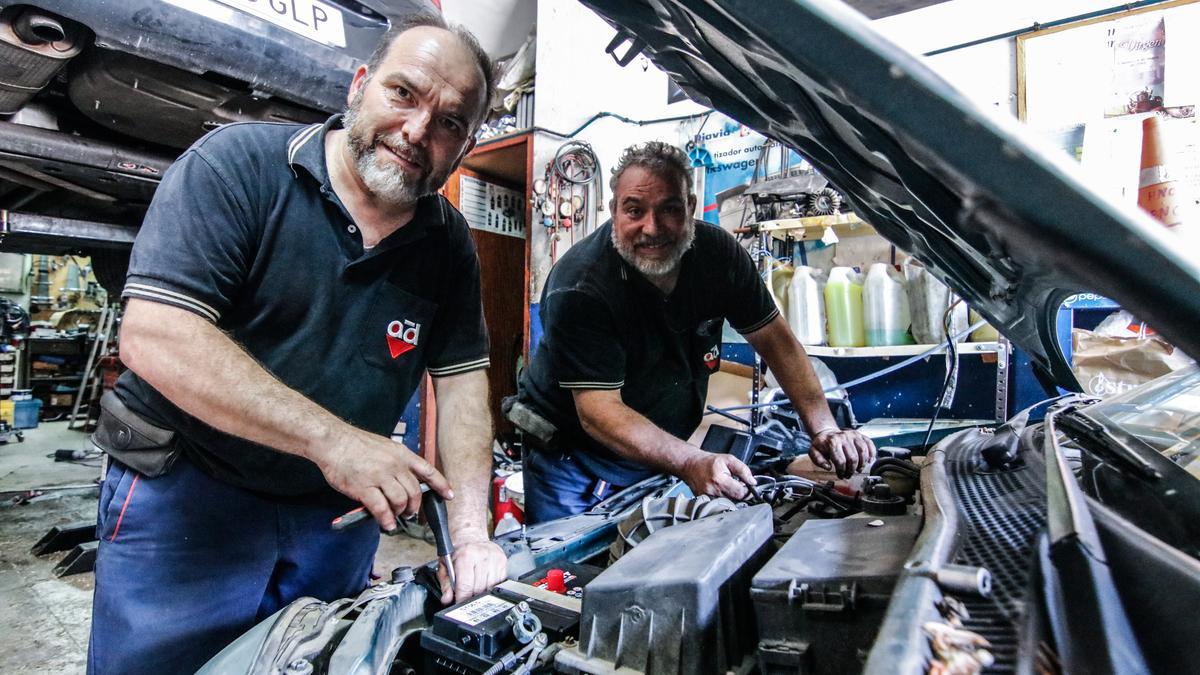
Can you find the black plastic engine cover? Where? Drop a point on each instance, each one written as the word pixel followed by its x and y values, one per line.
pixel 821 599
pixel 679 602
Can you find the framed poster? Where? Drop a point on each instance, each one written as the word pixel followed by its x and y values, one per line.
pixel 1086 86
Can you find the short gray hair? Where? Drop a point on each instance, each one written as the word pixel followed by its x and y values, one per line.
pixel 656 157
pixel 431 20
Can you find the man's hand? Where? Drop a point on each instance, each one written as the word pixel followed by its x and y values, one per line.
pixel 715 475
pixel 844 451
pixel 478 565
pixel 384 476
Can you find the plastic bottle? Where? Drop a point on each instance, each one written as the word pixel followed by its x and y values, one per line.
pixel 508 523
pixel 806 307
pixel 843 307
pixel 885 308
pixel 928 299
pixel 778 277
pixel 985 333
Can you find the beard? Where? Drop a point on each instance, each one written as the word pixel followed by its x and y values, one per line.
pixel 385 179
pixel 661 267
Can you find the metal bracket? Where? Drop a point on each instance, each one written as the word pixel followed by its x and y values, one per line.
pixel 63 537
pixel 1003 351
pixel 82 558
pixel 635 47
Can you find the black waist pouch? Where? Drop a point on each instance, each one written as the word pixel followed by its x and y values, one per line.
pixel 131 440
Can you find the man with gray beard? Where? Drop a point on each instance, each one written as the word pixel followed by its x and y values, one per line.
pixel 632 317
pixel 288 291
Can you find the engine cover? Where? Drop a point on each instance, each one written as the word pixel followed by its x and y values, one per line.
pixel 821 598
pixel 679 602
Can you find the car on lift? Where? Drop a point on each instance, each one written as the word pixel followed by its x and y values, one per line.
pixel 98 98
pixel 1070 544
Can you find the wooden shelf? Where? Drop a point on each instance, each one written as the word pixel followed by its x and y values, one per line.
pixel 813 228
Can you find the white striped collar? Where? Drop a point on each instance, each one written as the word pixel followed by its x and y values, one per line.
pixel 306 148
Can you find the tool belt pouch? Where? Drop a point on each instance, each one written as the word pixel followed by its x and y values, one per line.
pixel 131 440
pixel 529 421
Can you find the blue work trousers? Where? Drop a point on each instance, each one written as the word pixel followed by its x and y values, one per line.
pixel 557 485
pixel 188 563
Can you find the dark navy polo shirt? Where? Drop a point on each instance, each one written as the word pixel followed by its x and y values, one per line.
pixel 608 327
pixel 246 231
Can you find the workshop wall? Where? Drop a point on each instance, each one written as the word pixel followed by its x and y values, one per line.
pixel 575 80
pixel 986 73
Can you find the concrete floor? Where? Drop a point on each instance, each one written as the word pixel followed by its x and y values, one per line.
pixel 46 619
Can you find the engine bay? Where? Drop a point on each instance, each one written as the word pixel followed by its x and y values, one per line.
pixel 798 577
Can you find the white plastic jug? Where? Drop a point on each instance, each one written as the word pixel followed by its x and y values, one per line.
pixel 806 307
pixel 779 275
pixel 928 299
pixel 885 308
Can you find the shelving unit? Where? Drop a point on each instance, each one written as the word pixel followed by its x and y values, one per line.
pixel 73 350
pixel 921 389
pixel 903 350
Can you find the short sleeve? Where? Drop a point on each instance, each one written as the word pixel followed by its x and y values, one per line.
pixel 749 306
pixel 585 349
pixel 196 242
pixel 461 344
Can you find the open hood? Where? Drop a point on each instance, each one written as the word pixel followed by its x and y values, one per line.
pixel 1009 226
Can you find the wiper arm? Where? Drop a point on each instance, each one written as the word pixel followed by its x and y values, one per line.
pixel 1083 428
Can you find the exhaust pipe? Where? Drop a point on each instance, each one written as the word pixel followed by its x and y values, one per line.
pixel 33 46
pixel 38 29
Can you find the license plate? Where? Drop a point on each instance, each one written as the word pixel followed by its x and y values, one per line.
pixel 313 19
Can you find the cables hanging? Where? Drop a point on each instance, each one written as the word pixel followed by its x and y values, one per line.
pixel 571 193
pixel 951 371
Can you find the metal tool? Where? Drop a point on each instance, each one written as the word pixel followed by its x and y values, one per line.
pixel 435 514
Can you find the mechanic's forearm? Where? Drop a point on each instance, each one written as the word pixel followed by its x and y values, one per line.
pixel 464 442
pixel 629 434
pixel 204 372
pixel 786 358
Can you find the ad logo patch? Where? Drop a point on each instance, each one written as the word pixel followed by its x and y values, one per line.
pixel 402 336
pixel 712 357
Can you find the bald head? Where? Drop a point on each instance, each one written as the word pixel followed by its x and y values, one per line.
pixel 451 39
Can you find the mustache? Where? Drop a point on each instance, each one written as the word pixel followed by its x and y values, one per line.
pixel 396 143
pixel 653 241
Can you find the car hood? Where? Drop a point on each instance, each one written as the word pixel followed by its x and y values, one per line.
pixel 1008 225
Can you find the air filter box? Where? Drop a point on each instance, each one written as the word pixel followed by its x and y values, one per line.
pixel 821 599
pixel 678 603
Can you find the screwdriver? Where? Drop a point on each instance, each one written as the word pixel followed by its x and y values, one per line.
pixel 435 515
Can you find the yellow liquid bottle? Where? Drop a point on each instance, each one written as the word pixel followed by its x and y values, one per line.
pixel 844 309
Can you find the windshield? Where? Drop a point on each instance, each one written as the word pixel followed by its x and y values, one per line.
pixel 1165 413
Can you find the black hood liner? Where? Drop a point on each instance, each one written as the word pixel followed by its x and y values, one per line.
pixel 1008 226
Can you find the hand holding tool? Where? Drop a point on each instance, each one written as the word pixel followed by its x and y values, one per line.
pixel 439 522
pixel 435 514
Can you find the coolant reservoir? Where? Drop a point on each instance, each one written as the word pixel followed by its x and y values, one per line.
pixel 806 307
pixel 885 308
pixel 844 308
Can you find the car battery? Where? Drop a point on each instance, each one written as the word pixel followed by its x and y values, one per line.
pixel 471 636
pixel 820 600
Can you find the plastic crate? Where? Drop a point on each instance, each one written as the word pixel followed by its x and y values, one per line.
pixel 25 413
